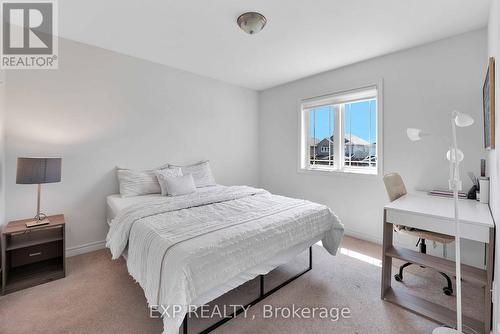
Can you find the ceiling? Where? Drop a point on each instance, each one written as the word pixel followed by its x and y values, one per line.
pixel 302 37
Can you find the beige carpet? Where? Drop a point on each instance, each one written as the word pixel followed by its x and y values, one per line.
pixel 98 296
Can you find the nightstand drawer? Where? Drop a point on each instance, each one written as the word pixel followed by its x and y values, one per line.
pixel 36 253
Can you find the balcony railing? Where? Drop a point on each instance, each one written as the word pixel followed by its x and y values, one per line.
pixel 370 162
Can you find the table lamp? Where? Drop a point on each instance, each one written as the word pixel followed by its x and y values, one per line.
pixel 38 171
pixel 454 156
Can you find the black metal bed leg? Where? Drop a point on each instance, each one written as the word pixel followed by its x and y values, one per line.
pixel 310 257
pixel 185 325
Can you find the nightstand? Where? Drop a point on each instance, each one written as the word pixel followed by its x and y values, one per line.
pixel 32 256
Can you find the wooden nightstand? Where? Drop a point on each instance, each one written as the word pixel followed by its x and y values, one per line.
pixel 32 256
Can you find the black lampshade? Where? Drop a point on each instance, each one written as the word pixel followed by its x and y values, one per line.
pixel 38 170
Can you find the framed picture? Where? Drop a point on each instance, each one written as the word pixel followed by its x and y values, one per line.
pixel 489 106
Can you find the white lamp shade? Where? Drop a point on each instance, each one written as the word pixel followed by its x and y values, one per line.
pixel 462 120
pixel 414 134
pixel 451 156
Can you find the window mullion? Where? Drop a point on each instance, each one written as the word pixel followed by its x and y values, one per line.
pixel 329 134
pixel 341 137
pixel 306 150
pixel 338 137
pixel 314 135
pixel 369 133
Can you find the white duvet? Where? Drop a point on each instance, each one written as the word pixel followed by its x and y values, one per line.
pixel 181 248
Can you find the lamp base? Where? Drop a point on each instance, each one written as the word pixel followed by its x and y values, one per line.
pixel 38 222
pixel 445 330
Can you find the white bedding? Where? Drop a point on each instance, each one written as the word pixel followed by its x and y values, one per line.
pixel 188 250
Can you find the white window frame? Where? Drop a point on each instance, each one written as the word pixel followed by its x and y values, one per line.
pixel 340 97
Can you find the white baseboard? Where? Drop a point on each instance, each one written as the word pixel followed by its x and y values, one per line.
pixel 85 248
pixel 363 236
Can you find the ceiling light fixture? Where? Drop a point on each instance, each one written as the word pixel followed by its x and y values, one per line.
pixel 251 22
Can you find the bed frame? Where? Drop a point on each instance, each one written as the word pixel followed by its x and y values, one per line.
pixel 262 295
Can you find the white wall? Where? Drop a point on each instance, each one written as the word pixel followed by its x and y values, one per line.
pixel 493 155
pixel 421 86
pixel 101 109
pixel 2 148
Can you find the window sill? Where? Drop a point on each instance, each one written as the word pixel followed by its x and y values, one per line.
pixel 346 172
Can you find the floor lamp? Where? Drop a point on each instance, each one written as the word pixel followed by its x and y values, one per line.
pixel 454 156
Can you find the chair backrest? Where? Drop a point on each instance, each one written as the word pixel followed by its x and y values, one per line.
pixel 394 185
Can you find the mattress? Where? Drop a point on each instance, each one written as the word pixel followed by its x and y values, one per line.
pixel 116 203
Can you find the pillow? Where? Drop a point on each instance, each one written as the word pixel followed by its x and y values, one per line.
pixel 162 174
pixel 180 185
pixel 137 182
pixel 202 174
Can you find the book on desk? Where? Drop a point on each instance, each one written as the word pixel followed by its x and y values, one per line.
pixel 446 193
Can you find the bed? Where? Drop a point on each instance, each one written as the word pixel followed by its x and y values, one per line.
pixel 185 251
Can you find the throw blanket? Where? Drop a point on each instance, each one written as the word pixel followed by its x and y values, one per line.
pixel 181 248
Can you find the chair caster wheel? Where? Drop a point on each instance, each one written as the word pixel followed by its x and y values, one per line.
pixel 398 278
pixel 447 291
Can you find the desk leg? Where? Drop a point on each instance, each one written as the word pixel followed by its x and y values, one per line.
pixel 386 260
pixel 489 279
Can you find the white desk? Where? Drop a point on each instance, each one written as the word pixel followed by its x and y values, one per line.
pixel 436 214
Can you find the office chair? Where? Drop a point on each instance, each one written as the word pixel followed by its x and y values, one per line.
pixel 395 189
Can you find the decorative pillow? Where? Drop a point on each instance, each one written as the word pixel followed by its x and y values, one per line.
pixel 137 182
pixel 162 175
pixel 202 174
pixel 180 185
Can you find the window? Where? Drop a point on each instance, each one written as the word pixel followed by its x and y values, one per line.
pixel 339 132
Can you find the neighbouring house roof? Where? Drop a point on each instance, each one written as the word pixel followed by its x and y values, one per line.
pixel 348 137
pixel 313 141
pixel 326 141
